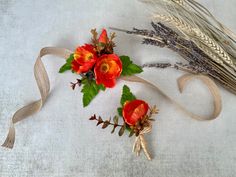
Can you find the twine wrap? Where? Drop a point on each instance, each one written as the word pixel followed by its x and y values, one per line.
pixel 140 142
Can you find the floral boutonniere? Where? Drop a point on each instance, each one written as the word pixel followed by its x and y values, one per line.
pixel 98 65
pixel 136 117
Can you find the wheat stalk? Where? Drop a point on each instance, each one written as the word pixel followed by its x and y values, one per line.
pixel 201 59
pixel 201 39
pixel 214 46
pixel 205 39
pixel 201 10
pixel 231 74
pixel 207 23
pixel 175 22
pixel 180 2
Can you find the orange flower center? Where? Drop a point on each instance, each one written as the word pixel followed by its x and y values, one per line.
pixel 104 67
pixel 88 56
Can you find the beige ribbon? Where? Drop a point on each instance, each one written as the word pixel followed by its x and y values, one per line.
pixel 44 88
pixel 43 83
pixel 182 81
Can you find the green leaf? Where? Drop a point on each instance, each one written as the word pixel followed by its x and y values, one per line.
pixel 128 67
pixel 119 110
pixel 64 68
pixel 67 65
pixel 127 95
pixel 90 90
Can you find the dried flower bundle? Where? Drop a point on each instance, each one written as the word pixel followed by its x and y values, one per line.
pixel 189 29
pixel 196 23
pixel 198 60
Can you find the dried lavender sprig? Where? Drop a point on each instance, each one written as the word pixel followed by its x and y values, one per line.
pixel 168 38
pixel 177 66
pixel 157 65
pixel 200 58
pixel 199 62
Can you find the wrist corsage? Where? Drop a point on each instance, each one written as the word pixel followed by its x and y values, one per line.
pixel 98 66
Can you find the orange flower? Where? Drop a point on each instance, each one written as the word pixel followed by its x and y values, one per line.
pixel 134 111
pixel 84 58
pixel 107 69
pixel 103 37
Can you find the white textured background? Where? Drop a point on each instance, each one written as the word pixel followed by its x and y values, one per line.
pixel 60 141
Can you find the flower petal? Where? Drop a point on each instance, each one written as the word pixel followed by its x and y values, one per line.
pixel 103 37
pixel 108 83
pixel 84 58
pixel 134 110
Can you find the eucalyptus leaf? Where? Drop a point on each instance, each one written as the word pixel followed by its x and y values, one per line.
pixel 122 130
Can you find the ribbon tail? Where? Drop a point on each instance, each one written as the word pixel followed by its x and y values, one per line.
pixel 144 147
pixel 137 146
pixel 43 84
pixel 20 115
pixel 10 140
pixel 182 81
